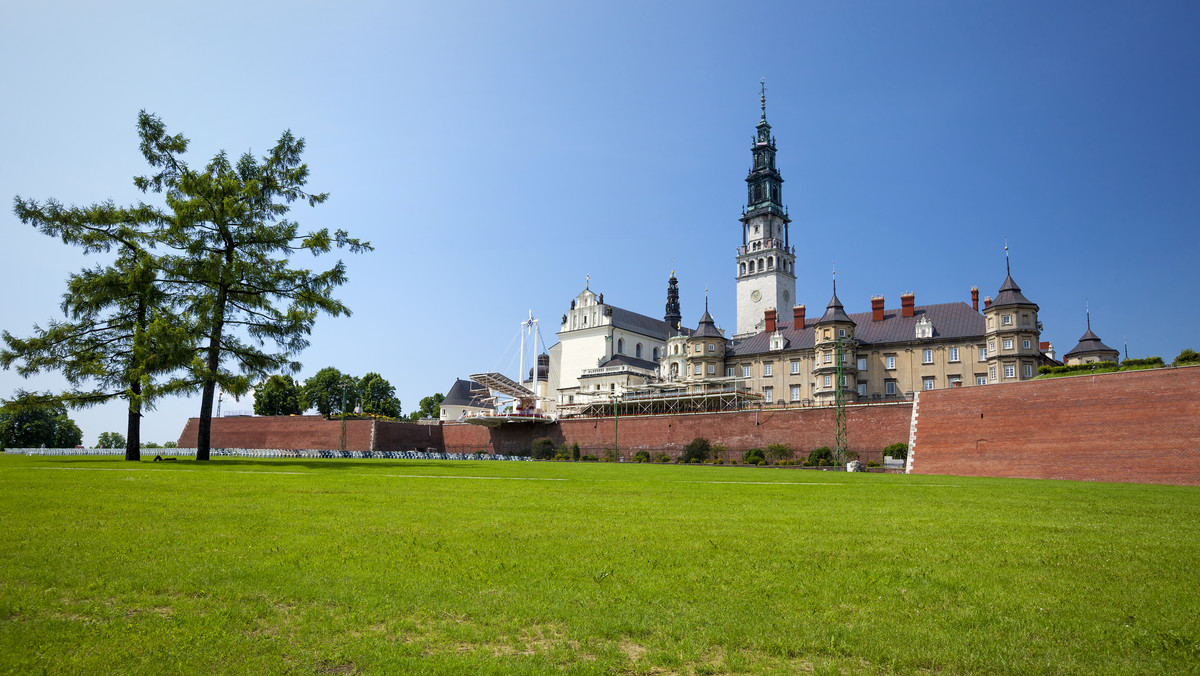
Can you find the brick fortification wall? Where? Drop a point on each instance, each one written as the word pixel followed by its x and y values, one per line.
pixel 313 432
pixel 869 429
pixel 1138 426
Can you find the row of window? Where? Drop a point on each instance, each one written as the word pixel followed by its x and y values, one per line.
pixel 700 349
pixel 1010 371
pixel 637 349
pixel 1007 320
pixel 1008 345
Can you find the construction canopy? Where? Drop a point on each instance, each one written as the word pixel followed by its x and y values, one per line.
pixel 498 382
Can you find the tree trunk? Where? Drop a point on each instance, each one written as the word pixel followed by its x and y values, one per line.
pixel 133 430
pixel 204 430
pixel 133 427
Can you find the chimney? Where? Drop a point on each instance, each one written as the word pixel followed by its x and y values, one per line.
pixel 798 317
pixel 876 308
pixel 907 299
pixel 987 302
pixel 975 298
pixel 769 316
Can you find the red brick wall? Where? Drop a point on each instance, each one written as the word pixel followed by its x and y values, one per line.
pixel 869 429
pixel 401 436
pixel 313 432
pixel 1139 426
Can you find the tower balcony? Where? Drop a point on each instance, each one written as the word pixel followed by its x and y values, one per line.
pixel 769 244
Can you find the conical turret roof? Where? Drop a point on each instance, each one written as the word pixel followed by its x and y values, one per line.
pixel 1010 294
pixel 834 312
pixel 707 327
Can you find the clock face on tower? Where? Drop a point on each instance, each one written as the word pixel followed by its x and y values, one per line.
pixel 756 295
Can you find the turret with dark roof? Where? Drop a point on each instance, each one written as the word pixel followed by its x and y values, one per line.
pixel 708 326
pixel 1090 345
pixel 834 312
pixel 1010 294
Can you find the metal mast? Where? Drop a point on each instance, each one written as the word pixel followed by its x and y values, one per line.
pixel 839 416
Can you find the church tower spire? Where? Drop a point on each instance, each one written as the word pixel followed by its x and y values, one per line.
pixel 673 316
pixel 766 275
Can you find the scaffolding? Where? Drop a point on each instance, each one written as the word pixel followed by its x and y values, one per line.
pixel 663 398
pixel 839 401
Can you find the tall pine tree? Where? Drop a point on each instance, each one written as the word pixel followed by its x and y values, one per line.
pixel 230 266
pixel 119 338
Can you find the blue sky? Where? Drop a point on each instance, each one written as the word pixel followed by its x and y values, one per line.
pixel 496 153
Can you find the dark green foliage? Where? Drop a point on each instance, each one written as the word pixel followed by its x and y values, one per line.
pixel 821 456
pixel 278 395
pixel 430 407
pixel 122 336
pixel 641 456
pixel 328 389
pixel 897 450
pixel 1094 367
pixel 36 420
pixel 589 458
pixel 150 444
pixel 872 463
pixel 378 396
pixel 1148 362
pixel 543 449
pixel 718 451
pixel 111 440
pixel 229 265
pixel 662 457
pixel 575 452
pixel 697 450
pixel 753 456
pixel 1188 356
pixel 777 452
pixel 170 444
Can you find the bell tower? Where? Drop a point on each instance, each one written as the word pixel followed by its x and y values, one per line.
pixel 766 274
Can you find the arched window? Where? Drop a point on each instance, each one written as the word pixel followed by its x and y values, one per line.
pixel 637 351
pixel 621 345
pixel 761 265
pixel 656 354
pixel 770 262
pixel 676 348
pixel 743 268
pixel 675 370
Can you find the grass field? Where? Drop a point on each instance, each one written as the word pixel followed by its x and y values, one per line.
pixel 487 567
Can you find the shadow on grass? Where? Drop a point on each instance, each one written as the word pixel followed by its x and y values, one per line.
pixel 333 464
pixel 313 464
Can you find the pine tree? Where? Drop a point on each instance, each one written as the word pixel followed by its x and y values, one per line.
pixel 230 264
pixel 119 338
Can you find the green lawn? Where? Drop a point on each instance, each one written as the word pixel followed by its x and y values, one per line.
pixel 378 566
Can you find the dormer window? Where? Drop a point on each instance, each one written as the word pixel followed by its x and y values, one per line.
pixel 777 341
pixel 924 328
